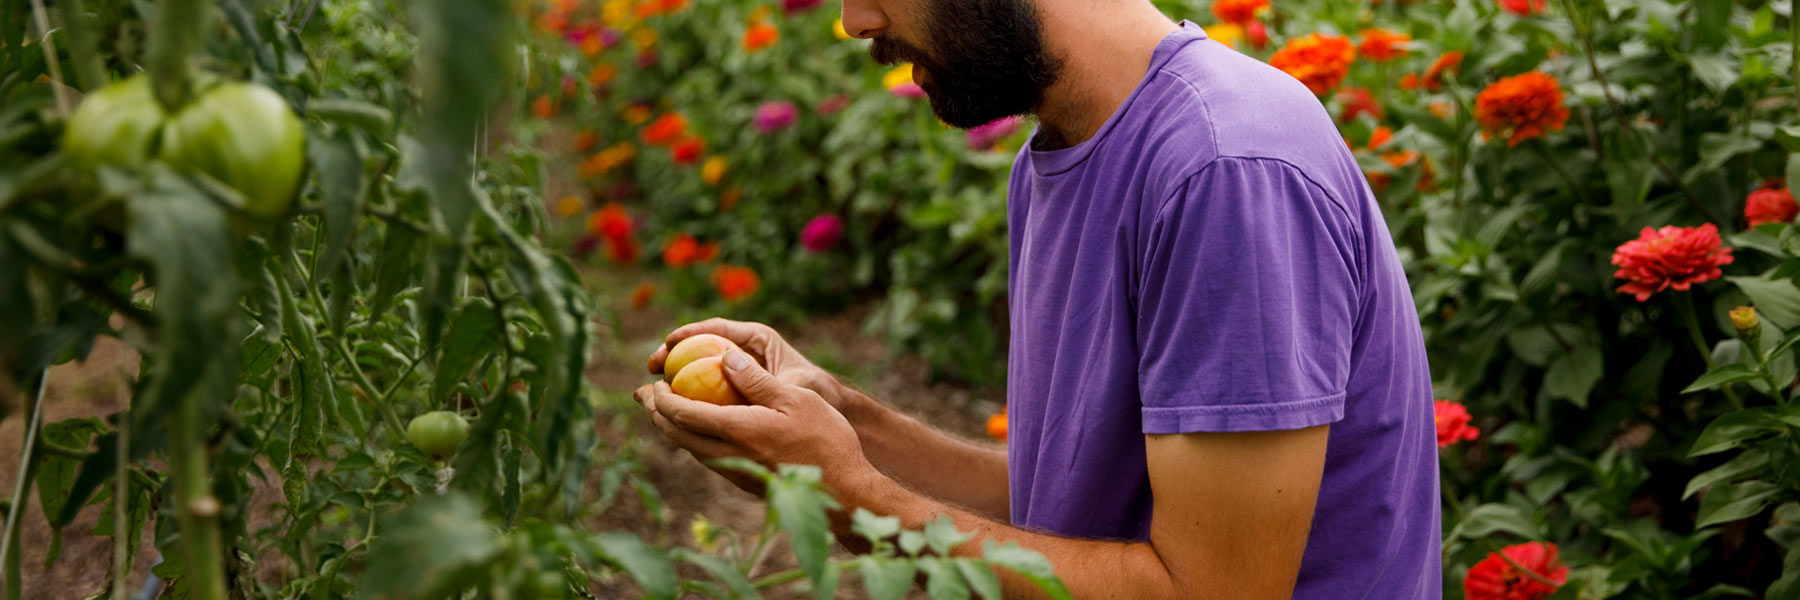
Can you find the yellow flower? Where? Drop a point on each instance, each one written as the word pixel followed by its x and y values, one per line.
pixel 837 29
pixel 644 38
pixel 713 170
pixel 616 12
pixel 568 206
pixel 706 535
pixel 897 76
pixel 1228 34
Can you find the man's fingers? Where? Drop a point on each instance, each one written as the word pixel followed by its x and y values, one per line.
pixel 657 358
pixel 752 337
pixel 693 415
pixel 702 447
pixel 755 383
pixel 645 397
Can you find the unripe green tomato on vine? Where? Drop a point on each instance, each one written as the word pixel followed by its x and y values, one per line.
pixel 242 134
pixel 437 433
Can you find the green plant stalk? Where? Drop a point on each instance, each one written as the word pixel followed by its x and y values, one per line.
pixel 82 52
pixel 1685 306
pixel 175 34
pixel 196 510
pixel 121 505
pixel 1794 47
pixel 15 512
pixel 1762 366
pixel 343 349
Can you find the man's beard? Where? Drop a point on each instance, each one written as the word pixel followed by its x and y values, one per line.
pixel 988 59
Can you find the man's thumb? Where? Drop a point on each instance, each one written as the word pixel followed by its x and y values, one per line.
pixel 751 380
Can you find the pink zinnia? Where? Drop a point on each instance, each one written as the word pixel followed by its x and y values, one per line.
pixel 983 137
pixel 794 6
pixel 1670 258
pixel 822 232
pixel 775 116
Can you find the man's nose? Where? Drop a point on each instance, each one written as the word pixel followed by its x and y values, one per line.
pixel 863 19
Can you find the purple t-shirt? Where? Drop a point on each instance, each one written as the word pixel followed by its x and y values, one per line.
pixel 1212 260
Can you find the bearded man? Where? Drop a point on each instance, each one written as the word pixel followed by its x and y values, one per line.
pixel 1217 386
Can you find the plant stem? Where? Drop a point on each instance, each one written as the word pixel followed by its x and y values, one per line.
pixel 196 510
pixel 50 60
pixel 1685 306
pixel 778 579
pixel 82 52
pixel 1794 47
pixel 1540 148
pixel 15 512
pixel 175 34
pixel 121 501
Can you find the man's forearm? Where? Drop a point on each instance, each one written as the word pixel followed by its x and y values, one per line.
pixel 1089 568
pixel 929 460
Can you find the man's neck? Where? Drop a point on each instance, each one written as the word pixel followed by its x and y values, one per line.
pixel 1105 49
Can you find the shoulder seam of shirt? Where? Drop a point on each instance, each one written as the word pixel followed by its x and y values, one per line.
pixel 1200 99
pixel 1336 203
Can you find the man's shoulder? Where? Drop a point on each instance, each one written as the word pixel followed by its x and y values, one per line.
pixel 1211 101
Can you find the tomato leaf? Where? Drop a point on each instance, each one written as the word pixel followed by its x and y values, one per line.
pixel 649 567
pixel 1027 563
pixel 886 578
pixel 430 550
pixel 944 581
pixel 799 505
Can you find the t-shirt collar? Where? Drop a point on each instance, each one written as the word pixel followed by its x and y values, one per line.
pixel 1052 162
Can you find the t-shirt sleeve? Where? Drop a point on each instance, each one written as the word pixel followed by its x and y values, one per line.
pixel 1247 300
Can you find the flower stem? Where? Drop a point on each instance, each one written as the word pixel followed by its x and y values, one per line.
pixel 15 512
pixel 1685 305
pixel 1794 46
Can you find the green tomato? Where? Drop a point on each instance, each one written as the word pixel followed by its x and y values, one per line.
pixel 114 126
pixel 242 134
pixel 437 433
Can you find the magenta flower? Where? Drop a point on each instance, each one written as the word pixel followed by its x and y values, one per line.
pixel 822 232
pixel 794 6
pixel 983 137
pixel 775 116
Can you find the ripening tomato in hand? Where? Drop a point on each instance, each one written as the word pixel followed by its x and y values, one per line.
pixel 704 380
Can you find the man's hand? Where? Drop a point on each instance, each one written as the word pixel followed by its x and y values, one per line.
pixel 767 347
pixel 784 423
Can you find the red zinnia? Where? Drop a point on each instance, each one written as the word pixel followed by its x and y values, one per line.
pixel 735 283
pixel 1319 61
pixel 1357 101
pixel 1494 578
pixel 1452 423
pixel 1772 204
pixel 1523 8
pixel 623 250
pixel 1237 11
pixel 665 129
pixel 760 35
pixel 687 150
pixel 1670 258
pixel 1381 45
pixel 1380 137
pixel 610 222
pixel 1522 107
pixel 1258 34
pixel 641 295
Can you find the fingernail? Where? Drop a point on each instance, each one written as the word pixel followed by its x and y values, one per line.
pixel 736 360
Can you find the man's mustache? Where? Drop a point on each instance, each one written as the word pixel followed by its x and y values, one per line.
pixel 887 51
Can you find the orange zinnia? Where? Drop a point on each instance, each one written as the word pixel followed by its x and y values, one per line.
pixel 584 141
pixel 1319 61
pixel 1381 45
pixel 684 250
pixel 1433 79
pixel 641 295
pixel 602 74
pixel 735 283
pixel 665 129
pixel 759 36
pixel 1522 107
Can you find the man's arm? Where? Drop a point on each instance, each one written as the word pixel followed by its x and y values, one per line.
pixel 1231 516
pixel 944 466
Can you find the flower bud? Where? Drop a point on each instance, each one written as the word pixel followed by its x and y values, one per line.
pixel 1744 319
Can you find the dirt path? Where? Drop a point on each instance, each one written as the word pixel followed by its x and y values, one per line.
pixel 100 385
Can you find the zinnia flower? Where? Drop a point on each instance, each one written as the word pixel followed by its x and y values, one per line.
pixel 1380 137
pixel 543 107
pixel 1522 107
pixel 1357 101
pixel 1670 258
pixel 735 283
pixel 1258 34
pixel 713 170
pixel 611 158
pixel 1433 79
pixel 899 81
pixel 983 137
pixel 822 232
pixel 1237 11
pixel 623 250
pixel 1452 423
pixel 837 30
pixel 584 141
pixel 665 129
pixel 602 74
pixel 641 295
pixel 1772 204
pixel 684 250
pixel 610 222
pixel 832 104
pixel 996 426
pixel 1523 8
pixel 1496 579
pixel 759 36
pixel 775 116
pixel 1381 45
pixel 1319 61
pixel 794 6
pixel 568 206
pixel 687 150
